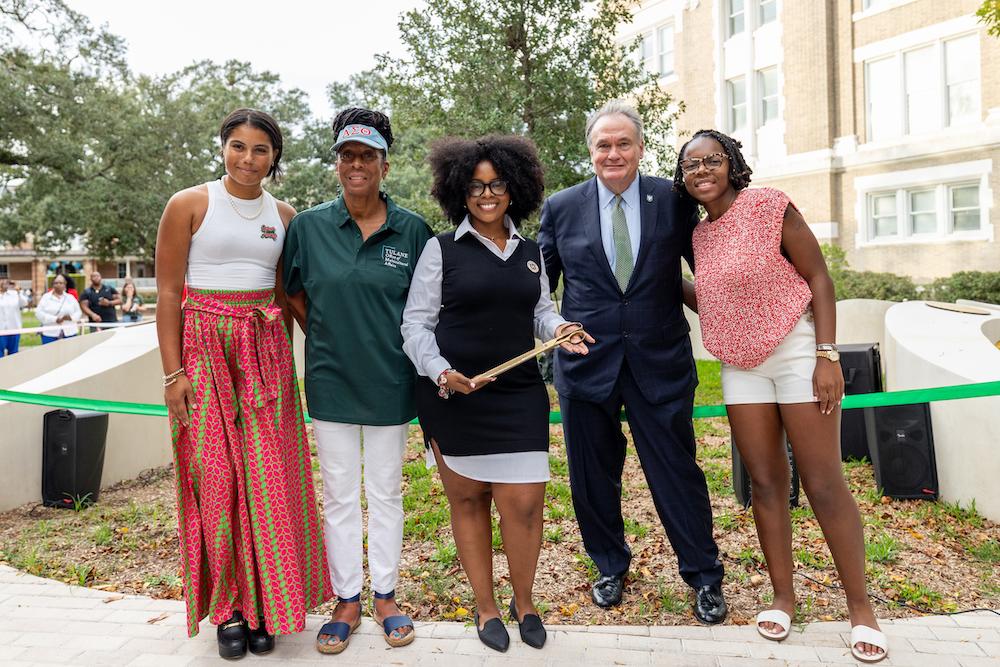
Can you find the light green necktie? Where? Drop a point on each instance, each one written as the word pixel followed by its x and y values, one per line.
pixel 623 244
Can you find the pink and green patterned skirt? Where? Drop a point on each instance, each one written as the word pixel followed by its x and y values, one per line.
pixel 251 536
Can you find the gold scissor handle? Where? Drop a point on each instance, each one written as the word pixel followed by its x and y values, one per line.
pixel 574 334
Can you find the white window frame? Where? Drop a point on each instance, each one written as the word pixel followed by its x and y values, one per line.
pixel 943 121
pixel 762 119
pixel 731 105
pixel 942 179
pixel 730 15
pixel 760 11
pixel 660 52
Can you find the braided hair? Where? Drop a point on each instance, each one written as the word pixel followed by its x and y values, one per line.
pixel 739 170
pixel 359 116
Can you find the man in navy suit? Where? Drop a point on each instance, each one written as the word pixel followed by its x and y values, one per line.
pixel 617 242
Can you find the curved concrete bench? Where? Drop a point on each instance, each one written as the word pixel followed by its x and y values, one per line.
pixel 118 365
pixel 929 347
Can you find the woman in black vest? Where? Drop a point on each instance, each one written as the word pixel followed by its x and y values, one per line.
pixel 479 297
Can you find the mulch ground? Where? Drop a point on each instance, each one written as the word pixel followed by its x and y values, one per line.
pixel 933 556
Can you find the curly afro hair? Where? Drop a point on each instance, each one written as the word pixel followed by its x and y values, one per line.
pixel 515 159
pixel 359 116
pixel 739 171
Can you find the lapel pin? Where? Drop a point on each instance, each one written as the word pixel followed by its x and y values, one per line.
pixel 649 198
pixel 534 268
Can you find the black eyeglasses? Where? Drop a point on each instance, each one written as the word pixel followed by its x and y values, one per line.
pixel 497 186
pixel 711 161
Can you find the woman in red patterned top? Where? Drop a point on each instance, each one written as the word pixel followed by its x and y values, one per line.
pixel 768 311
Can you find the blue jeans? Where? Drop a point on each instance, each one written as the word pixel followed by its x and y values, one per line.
pixel 9 344
pixel 49 339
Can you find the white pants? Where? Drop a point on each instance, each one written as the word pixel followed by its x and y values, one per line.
pixel 339 447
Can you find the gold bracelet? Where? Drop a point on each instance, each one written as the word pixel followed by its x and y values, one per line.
pixel 167 383
pixel 170 376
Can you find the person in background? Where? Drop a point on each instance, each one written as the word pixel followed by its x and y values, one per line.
pixel 58 312
pixel 251 538
pixel 131 302
pixel 768 311
pixel 99 300
pixel 12 300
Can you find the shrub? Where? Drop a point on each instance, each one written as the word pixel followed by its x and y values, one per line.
pixel 973 285
pixel 864 284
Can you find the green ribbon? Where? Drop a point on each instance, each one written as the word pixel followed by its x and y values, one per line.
pixel 880 399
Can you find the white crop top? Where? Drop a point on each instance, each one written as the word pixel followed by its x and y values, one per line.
pixel 230 252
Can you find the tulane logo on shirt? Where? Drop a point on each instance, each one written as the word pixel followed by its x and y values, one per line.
pixel 395 258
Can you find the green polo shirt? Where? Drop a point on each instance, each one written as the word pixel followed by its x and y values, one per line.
pixel 356 371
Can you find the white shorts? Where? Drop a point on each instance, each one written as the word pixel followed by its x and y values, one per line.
pixel 786 376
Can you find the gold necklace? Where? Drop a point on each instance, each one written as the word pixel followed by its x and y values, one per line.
pixel 232 202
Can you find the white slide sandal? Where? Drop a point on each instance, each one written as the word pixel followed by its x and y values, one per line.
pixel 777 617
pixel 865 635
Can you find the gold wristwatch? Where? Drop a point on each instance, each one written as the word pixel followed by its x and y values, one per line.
pixel 828 351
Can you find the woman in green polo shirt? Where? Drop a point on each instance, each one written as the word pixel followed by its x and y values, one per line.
pixel 347 270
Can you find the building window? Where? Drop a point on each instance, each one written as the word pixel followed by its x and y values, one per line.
pixel 666 60
pixel 767 11
pixel 122 269
pixel 964 208
pixel 767 82
pixel 737 91
pixel 938 87
pixel 4 271
pixel 883 215
pixel 925 211
pixel 644 52
pixel 737 17
pixel 961 57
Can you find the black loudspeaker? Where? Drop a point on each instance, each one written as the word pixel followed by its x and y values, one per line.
pixel 862 366
pixel 72 457
pixel 741 478
pixel 903 450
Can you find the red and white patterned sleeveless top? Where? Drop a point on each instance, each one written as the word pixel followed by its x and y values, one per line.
pixel 749 295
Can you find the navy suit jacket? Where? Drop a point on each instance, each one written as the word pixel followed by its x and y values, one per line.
pixel 645 325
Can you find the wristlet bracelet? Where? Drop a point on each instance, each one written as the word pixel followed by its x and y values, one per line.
pixel 171 378
pixel 442 383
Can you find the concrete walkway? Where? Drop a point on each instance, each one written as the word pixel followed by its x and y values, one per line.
pixel 43 621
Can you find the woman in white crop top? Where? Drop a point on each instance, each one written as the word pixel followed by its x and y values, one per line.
pixel 251 536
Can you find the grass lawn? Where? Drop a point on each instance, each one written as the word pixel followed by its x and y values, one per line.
pixel 29 320
pixel 933 555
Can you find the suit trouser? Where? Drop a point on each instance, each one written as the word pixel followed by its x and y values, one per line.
pixel 664 440
pixel 339 449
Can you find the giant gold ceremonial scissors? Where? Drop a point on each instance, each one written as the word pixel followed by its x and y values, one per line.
pixel 574 334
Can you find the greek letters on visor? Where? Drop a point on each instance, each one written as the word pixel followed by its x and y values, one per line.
pixel 364 134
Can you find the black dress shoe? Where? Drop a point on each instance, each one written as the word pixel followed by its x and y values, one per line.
pixel 232 637
pixel 493 634
pixel 532 631
pixel 259 641
pixel 607 591
pixel 709 605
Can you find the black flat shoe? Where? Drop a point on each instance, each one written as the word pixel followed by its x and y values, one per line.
pixel 607 591
pixel 709 605
pixel 232 637
pixel 259 641
pixel 493 634
pixel 532 631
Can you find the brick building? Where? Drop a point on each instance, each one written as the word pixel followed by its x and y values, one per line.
pixel 881 118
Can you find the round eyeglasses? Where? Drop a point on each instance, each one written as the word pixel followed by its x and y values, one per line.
pixel 712 161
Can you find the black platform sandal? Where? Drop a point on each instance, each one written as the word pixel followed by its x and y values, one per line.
pixel 232 637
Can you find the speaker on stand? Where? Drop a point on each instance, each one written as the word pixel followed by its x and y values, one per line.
pixel 741 477
pixel 902 448
pixel 862 367
pixel 73 444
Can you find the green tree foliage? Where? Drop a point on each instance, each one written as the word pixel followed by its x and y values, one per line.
pixel 989 13
pixel 532 67
pixel 88 150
